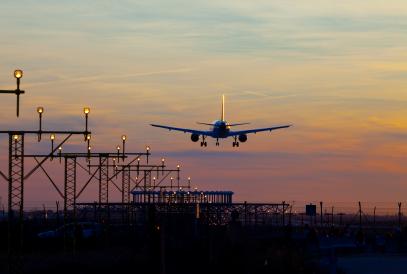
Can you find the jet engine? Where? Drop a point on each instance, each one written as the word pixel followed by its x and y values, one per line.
pixel 194 137
pixel 243 138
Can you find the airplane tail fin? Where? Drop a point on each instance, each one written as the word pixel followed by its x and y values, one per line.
pixel 223 108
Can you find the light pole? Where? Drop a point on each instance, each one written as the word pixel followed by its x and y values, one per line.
pixel 148 152
pixel 52 137
pixel 86 110
pixel 40 111
pixel 18 74
pixel 178 168
pixel 124 137
pixel 118 153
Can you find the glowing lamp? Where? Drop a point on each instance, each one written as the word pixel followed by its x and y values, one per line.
pixel 18 73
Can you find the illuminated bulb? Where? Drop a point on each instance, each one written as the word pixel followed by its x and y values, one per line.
pixel 60 149
pixel 124 137
pixel 18 73
pixel 52 136
pixel 88 137
pixel 118 148
pixel 147 148
pixel 178 166
pixel 86 110
pixel 40 110
pixel 138 159
pixel 16 137
pixel 89 148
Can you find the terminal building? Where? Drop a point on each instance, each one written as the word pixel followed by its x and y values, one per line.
pixel 182 197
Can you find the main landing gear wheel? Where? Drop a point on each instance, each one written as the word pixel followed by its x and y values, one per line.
pixel 235 143
pixel 203 143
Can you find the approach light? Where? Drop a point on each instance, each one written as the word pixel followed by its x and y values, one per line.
pixel 52 137
pixel 88 137
pixel 18 73
pixel 124 137
pixel 15 137
pixel 40 110
pixel 86 110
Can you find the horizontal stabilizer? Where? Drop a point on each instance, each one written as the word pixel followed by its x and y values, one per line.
pixel 238 124
pixel 208 124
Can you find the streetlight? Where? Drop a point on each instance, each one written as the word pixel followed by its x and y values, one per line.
pixel 171 181
pixel 138 166
pixel 15 137
pixel 148 152
pixel 40 111
pixel 86 110
pixel 178 169
pixel 124 137
pixel 89 149
pixel 18 74
pixel 52 137
pixel 118 153
pixel 189 181
pixel 162 165
pixel 60 154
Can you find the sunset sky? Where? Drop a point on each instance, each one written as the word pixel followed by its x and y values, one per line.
pixel 336 70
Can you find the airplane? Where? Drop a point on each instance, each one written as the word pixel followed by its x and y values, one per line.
pixel 220 129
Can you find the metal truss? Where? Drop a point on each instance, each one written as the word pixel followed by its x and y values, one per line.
pixel 103 179
pixel 126 185
pixel 70 187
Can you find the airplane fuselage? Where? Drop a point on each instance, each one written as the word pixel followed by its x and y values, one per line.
pixel 220 129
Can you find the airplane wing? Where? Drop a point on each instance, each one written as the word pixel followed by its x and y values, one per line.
pixel 185 130
pixel 235 133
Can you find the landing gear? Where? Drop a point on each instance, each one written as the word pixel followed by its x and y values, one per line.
pixel 235 143
pixel 203 143
pixel 217 142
